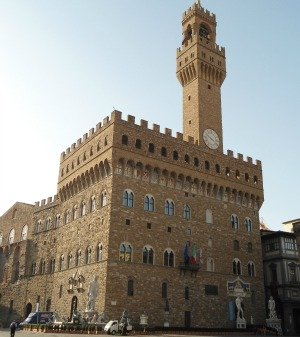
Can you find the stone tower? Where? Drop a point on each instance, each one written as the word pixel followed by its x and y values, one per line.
pixel 201 71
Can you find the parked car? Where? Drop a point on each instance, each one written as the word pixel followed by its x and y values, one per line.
pixel 41 317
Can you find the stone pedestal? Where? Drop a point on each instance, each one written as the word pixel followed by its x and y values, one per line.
pixel 240 323
pixel 91 316
pixel 275 323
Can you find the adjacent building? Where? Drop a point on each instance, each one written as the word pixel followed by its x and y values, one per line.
pixel 168 224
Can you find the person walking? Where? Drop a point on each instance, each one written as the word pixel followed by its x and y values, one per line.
pixel 13 327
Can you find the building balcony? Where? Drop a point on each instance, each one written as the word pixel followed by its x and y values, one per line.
pixel 192 268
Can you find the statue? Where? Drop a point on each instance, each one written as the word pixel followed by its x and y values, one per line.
pixel 271 307
pixel 92 294
pixel 240 312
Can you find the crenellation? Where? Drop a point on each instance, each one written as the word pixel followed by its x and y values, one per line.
pixel 78 143
pixel 43 202
pixel 240 157
pixel 98 126
pixel 156 128
pixel 84 137
pixel 49 200
pixel 62 156
pixel 258 163
pixel 144 124
pixel 68 150
pixel 179 136
pixel 37 204
pixel 130 119
pixel 191 140
pixel 73 146
pixel 105 120
pixel 168 132
pixel 116 115
pixel 91 132
pixel 230 153
pixel 249 160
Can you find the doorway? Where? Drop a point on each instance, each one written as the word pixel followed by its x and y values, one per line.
pixel 187 319
pixel 28 309
pixel 74 303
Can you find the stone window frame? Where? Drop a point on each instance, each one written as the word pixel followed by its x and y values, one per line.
pixel 130 286
pixel 237 266
pixel 248 224
pixel 235 222
pixel 24 233
pixel 210 264
pixel 187 213
pixel 69 260
pixel 125 252
pixel 1 239
pixel 169 208
pixel 78 258
pixel 148 255
pixel 149 203
pixel 251 269
pixel 103 198
pixel 169 258
pixel 236 245
pixel 11 236
pixel 61 262
pixel 209 216
pixel 128 198
pixel 83 208
pixel 42 267
pixel 93 203
pixel 75 214
pixel 57 220
pixel 88 255
pixel 48 223
pixel 99 252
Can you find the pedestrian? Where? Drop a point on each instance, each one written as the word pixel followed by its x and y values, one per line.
pixel 13 327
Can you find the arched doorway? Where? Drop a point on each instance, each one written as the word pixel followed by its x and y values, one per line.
pixel 73 306
pixel 28 309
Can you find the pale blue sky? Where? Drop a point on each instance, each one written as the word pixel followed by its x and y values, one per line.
pixel 64 65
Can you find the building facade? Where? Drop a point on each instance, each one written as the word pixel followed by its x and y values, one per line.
pixel 168 224
pixel 282 274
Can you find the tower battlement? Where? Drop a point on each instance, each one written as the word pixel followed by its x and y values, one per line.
pixel 198 9
pixel 46 203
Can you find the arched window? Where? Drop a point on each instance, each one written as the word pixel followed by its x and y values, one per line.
pixel 227 171
pixel 77 258
pixel 33 268
pixel 83 208
pixel 48 223
pixel 67 217
pixel 251 269
pixel 207 165
pixel 52 266
pixel 248 224
pixel 169 258
pixel 148 255
pixel 210 264
pixel 196 162
pixel 88 255
pixel 169 207
pixel 99 252
pixel 164 290
pixel 61 262
pixel 125 140
pixel 234 221
pixel 93 204
pixel 204 31
pixel 138 143
pixel 186 212
pixel 24 233
pixel 42 267
pixel 236 267
pixel 175 155
pixel 209 216
pixel 11 237
pixel 163 151
pixel 187 158
pixel 218 170
pixel 57 220
pixel 149 203
pixel 125 252
pixel 128 198
pixel 130 287
pixel 103 199
pixel 249 247
pixel 151 147
pixel 236 245
pixel 75 212
pixel 69 260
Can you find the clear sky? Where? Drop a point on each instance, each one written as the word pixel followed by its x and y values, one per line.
pixel 66 64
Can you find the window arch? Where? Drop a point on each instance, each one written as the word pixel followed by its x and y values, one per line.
pixel 169 207
pixel 93 203
pixel 204 31
pixel 48 223
pixel 11 237
pixel 103 199
pixel 209 216
pixel 196 161
pixel 236 267
pixel 218 169
pixel 251 269
pixel 57 220
pixel 1 239
pixel 125 252
pixel 187 158
pixel 125 140
pixel 207 165
pixel 69 260
pixel 149 203
pixel 163 151
pixel 61 262
pixel 210 264
pixel 249 247
pixel 148 255
pixel 83 208
pixel 234 221
pixel 67 217
pixel 42 267
pixel 175 155
pixel 99 252
pixel 88 255
pixel 186 212
pixel 151 147
pixel 236 245
pixel 169 258
pixel 78 258
pixel 24 233
pixel 138 143
pixel 128 198
pixel 75 212
pixel 248 224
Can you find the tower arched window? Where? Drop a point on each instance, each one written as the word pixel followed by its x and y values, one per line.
pixel 151 147
pixel 103 199
pixel 209 216
pixel 128 198
pixel 169 207
pixel 48 223
pixel 236 267
pixel 61 262
pixel 99 252
pixel 69 260
pixel 234 221
pixel 204 31
pixel 207 165
pixel 196 162
pixel 24 233
pixel 125 140
pixel 248 224
pixel 186 212
pixel 93 203
pixel 148 255
pixel 130 287
pixel 251 269
pixel 42 267
pixel 236 245
pixel 163 151
pixel 1 239
pixel 11 237
pixel 169 258
pixel 175 155
pixel 83 208
pixel 57 220
pixel 88 255
pixel 187 158
pixel 249 247
pixel 78 258
pixel 149 203
pixel 138 143
pixel 75 212
pixel 125 252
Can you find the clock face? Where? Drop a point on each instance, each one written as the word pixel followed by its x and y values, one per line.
pixel 211 139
